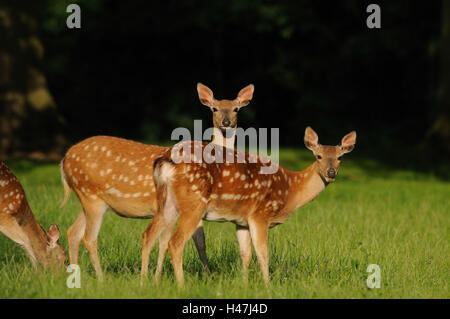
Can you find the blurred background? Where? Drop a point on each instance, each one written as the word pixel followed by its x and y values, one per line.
pixel 132 68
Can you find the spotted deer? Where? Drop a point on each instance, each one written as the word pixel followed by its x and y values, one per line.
pixel 225 112
pixel 114 173
pixel 19 224
pixel 236 192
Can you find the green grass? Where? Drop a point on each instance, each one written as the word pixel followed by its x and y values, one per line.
pixel 373 214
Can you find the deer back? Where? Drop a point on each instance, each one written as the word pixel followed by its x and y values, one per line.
pixel 115 170
pixel 12 194
pixel 230 190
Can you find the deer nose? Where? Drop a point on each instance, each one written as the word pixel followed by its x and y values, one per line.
pixel 226 122
pixel 331 173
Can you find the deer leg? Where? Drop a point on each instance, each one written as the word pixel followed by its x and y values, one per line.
pixel 162 251
pixel 259 233
pixel 149 237
pixel 94 212
pixel 159 224
pixel 74 236
pixel 245 249
pixel 187 223
pixel 199 241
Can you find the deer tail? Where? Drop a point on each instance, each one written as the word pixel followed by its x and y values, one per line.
pixel 163 171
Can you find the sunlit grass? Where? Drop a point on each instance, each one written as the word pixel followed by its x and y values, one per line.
pixel 398 219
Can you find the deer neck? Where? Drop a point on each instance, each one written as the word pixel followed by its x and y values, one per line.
pixel 37 238
pixel 221 140
pixel 306 186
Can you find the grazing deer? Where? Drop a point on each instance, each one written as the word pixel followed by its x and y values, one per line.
pixel 113 173
pixel 237 193
pixel 19 224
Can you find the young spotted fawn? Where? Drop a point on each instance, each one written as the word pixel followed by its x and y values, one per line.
pixel 238 193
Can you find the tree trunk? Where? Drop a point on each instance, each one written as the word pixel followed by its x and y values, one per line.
pixel 30 124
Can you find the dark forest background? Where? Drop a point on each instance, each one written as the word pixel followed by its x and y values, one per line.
pixel 132 68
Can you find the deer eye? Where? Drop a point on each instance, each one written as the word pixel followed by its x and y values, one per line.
pixel 214 109
pixel 236 109
pixel 319 157
pixel 339 158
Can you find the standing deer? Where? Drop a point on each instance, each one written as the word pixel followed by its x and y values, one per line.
pixel 238 193
pixel 19 224
pixel 113 173
pixel 225 113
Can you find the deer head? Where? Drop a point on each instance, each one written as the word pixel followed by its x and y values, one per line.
pixel 328 158
pixel 55 252
pixel 225 111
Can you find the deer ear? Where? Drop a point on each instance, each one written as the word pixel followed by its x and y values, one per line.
pixel 52 235
pixel 245 95
pixel 311 139
pixel 205 95
pixel 348 142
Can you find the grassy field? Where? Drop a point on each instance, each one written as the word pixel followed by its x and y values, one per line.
pixel 397 219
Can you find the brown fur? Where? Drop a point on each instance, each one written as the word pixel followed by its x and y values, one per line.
pixel 19 224
pixel 236 192
pixel 109 172
pixel 224 110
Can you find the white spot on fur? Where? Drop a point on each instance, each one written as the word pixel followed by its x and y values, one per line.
pixel 115 192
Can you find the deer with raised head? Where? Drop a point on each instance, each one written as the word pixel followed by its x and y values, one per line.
pixel 238 193
pixel 113 173
pixel 225 113
pixel 19 224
